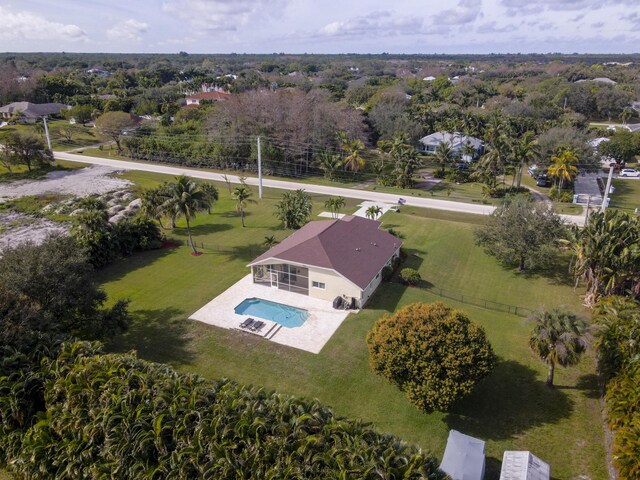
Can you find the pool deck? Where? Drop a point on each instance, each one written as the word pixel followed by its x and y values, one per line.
pixel 311 336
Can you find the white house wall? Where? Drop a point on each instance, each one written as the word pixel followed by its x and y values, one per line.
pixel 335 285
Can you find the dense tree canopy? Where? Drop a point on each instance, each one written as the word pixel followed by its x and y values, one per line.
pixel 433 353
pixel 50 288
pixel 72 412
pixel 521 232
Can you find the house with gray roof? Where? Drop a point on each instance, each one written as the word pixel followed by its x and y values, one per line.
pixel 328 259
pixel 456 140
pixel 31 111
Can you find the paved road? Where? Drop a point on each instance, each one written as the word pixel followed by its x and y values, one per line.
pixel 286 185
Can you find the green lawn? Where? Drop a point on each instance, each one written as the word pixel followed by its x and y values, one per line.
pixel 627 194
pixel 512 409
pixel 81 137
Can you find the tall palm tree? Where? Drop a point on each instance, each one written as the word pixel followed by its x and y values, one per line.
pixel 241 195
pixel 525 152
pixel 185 198
pixel 354 148
pixel 444 154
pixel 564 167
pixel 559 337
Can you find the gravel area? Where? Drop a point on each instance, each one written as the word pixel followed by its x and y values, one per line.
pixel 17 228
pixel 81 182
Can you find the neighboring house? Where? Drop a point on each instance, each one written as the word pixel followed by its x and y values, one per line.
pixel 328 259
pixel 456 140
pixel 98 72
pixel 636 106
pixel 206 96
pixel 604 80
pixel 31 111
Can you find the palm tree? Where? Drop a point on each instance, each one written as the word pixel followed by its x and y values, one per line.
pixel 241 195
pixel 605 254
pixel 444 154
pixel 559 337
pixel 270 241
pixel 152 203
pixel 525 152
pixel 335 204
pixel 373 212
pixel 353 161
pixel 211 193
pixel 564 166
pixel 185 198
pixel 328 163
pixel 626 115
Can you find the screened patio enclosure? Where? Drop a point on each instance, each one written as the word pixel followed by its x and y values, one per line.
pixel 283 276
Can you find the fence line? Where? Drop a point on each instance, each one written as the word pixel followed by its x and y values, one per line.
pixel 480 302
pixel 441 292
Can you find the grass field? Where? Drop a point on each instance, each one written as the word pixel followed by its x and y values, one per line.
pixel 512 409
pixel 82 136
pixel 626 196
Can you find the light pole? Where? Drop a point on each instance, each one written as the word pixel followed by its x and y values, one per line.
pixel 605 200
pixel 46 132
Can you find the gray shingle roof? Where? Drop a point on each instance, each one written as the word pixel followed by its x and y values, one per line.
pixel 29 109
pixel 355 247
pixel 453 139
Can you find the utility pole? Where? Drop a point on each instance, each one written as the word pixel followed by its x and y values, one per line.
pixel 46 132
pixel 586 215
pixel 259 169
pixel 605 200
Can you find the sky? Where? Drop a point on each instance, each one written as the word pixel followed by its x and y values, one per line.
pixel 321 26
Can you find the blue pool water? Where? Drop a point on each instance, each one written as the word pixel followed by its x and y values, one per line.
pixel 276 312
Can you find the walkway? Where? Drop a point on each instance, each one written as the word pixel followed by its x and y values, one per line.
pixel 286 185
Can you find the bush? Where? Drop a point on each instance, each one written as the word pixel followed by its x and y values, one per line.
pixel 433 353
pixel 387 273
pixel 623 415
pixel 503 191
pixel 410 276
pixel 115 416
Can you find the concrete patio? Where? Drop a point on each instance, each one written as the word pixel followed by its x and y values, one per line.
pixel 311 336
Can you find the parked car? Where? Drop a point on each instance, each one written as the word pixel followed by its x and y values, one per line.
pixel 629 172
pixel 543 180
pixel 533 170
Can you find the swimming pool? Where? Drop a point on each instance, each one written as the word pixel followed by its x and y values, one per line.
pixel 276 312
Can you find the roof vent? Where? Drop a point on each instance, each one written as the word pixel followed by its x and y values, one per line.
pixel 358 249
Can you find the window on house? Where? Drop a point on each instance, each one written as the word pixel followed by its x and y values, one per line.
pixel 320 285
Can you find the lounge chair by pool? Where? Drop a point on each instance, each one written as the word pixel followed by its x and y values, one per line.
pixel 257 326
pixel 248 323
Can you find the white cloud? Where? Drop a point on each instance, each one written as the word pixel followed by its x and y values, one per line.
pixel 220 15
pixel 467 11
pixel 515 7
pixel 26 25
pixel 128 30
pixel 376 24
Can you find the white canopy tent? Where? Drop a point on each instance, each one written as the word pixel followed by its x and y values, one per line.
pixel 523 466
pixel 464 457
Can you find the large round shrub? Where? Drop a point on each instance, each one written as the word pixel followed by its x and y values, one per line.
pixel 410 276
pixel 432 352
